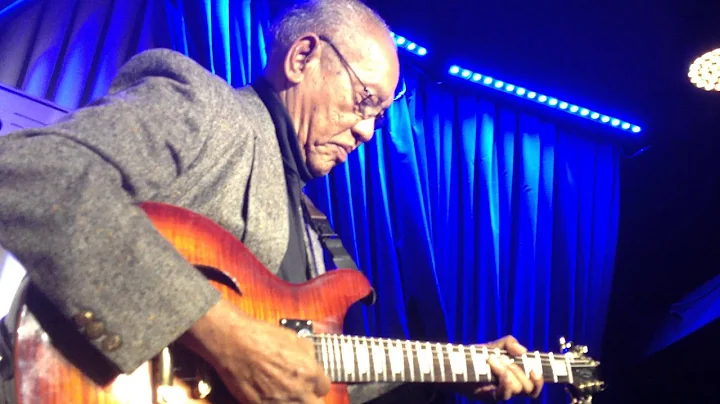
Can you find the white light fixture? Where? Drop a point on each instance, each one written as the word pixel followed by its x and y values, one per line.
pixel 546 100
pixel 408 45
pixel 705 71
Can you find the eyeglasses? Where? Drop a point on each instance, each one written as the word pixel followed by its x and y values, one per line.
pixel 366 108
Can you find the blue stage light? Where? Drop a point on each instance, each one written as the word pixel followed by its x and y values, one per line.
pixel 552 102
pixel 408 45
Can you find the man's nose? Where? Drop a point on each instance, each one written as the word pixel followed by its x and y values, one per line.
pixel 364 130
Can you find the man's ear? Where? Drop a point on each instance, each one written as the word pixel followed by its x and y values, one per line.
pixel 303 51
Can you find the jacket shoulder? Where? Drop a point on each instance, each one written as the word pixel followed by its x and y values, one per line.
pixel 168 66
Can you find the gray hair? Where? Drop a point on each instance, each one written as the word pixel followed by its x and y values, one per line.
pixel 337 19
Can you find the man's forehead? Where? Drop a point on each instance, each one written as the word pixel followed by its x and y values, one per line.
pixel 378 66
pixel 384 83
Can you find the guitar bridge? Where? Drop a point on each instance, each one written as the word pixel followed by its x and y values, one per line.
pixel 303 328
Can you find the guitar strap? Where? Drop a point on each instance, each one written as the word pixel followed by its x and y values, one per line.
pixel 328 238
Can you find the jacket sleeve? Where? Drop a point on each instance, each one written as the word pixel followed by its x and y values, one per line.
pixel 68 195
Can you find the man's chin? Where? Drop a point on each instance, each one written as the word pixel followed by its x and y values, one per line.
pixel 322 169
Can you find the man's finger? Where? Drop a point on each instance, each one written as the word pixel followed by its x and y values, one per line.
pixel 507 382
pixel 311 399
pixel 538 382
pixel 322 387
pixel 526 385
pixel 514 347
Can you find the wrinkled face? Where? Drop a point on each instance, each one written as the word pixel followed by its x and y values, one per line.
pixel 343 91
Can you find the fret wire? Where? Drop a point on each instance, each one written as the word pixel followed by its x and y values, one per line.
pixel 495 350
pixel 385 360
pixel 486 355
pixel 399 347
pixel 461 350
pixel 331 359
pixel 380 368
pixel 359 347
pixel 375 366
pixel 569 368
pixel 448 350
pixel 552 368
pixel 325 355
pixel 441 362
pixel 338 358
pixel 391 368
pixel 343 358
pixel 330 353
pixel 432 361
pixel 409 356
pixel 420 356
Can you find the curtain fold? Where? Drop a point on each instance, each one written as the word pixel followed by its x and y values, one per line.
pixel 471 219
pixel 487 221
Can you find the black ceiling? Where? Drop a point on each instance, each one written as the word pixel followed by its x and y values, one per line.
pixel 624 58
pixel 627 58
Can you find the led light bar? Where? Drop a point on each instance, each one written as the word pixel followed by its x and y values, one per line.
pixel 409 45
pixel 546 100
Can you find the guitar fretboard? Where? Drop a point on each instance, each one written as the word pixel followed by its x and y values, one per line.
pixel 349 359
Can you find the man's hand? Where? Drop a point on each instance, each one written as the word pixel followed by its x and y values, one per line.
pixel 512 380
pixel 257 361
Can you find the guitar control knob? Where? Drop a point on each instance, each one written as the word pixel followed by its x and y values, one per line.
pixel 565 345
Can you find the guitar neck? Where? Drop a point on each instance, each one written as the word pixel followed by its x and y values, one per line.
pixel 349 359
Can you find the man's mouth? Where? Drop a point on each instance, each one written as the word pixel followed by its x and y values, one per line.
pixel 342 153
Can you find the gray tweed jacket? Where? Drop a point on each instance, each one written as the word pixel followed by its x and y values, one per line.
pixel 169 131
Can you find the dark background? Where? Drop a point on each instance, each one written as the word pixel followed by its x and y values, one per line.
pixel 628 59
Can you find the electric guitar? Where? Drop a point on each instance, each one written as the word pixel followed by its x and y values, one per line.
pixel 48 370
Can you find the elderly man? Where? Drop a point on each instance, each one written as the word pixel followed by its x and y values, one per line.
pixel 170 131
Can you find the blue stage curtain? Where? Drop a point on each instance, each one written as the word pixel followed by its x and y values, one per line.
pixel 475 221
pixel 67 51
pixel 472 220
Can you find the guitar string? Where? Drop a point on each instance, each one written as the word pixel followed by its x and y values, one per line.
pixel 337 368
pixel 574 364
pixel 530 355
pixel 349 338
pixel 544 362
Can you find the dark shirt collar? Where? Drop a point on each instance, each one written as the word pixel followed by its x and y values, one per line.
pixel 284 129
